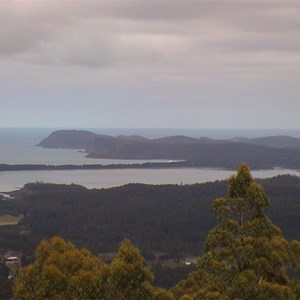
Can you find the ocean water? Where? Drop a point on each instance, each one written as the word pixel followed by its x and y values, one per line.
pixel 17 146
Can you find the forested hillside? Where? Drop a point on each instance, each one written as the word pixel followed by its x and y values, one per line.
pixel 168 218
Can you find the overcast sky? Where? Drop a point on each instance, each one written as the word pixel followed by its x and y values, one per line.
pixel 170 64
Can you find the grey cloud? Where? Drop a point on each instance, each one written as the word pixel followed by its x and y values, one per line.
pixel 185 57
pixel 105 33
pixel 18 35
pixel 262 42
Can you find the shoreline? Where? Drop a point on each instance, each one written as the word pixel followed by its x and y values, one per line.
pixel 42 167
pixel 148 165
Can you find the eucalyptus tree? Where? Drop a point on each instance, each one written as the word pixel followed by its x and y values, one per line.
pixel 131 278
pixel 63 272
pixel 245 255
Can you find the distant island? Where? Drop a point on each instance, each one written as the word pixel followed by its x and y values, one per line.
pixel 259 153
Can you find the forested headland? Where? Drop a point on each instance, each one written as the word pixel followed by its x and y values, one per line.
pixel 259 153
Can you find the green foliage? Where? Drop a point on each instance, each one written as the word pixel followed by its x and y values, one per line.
pixel 195 282
pixel 61 271
pixel 129 277
pixel 295 254
pixel 245 255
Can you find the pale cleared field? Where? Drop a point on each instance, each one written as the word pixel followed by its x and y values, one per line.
pixel 10 220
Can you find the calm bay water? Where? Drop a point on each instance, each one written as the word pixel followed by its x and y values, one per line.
pixel 17 147
pixel 10 181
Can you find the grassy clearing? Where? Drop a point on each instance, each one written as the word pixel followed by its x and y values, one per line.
pixel 10 220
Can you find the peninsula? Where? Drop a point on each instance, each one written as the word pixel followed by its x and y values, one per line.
pixel 259 153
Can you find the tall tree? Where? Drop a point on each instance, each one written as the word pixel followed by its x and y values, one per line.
pixel 131 279
pixel 61 271
pixel 245 256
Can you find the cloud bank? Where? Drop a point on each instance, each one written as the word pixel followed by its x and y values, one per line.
pixel 150 63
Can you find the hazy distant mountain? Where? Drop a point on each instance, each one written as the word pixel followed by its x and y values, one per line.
pixel 259 153
pixel 136 138
pixel 281 141
pixel 178 139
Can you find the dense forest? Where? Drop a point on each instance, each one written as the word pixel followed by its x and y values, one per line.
pixel 244 256
pixel 171 218
pixel 166 217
